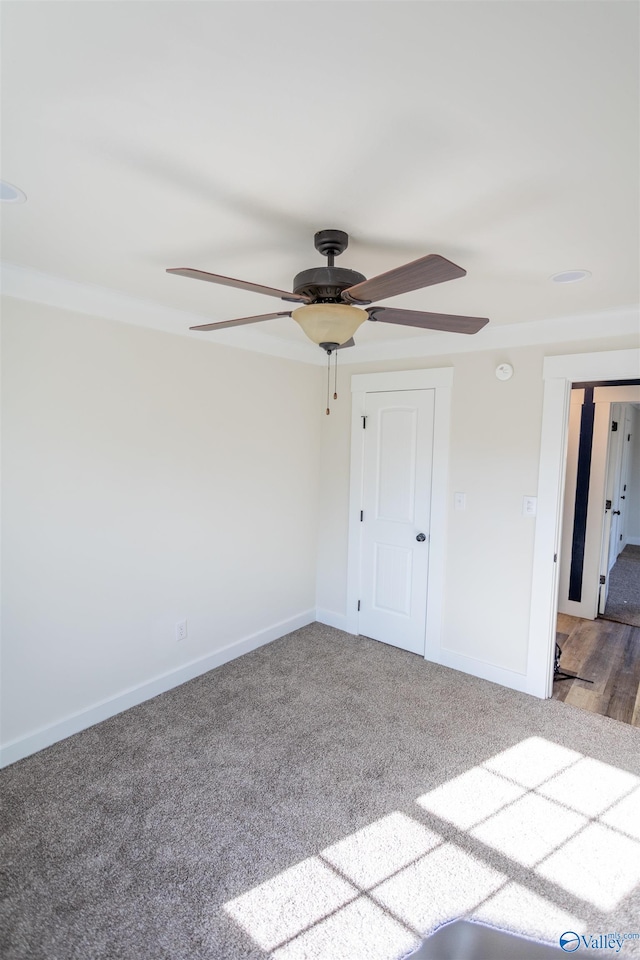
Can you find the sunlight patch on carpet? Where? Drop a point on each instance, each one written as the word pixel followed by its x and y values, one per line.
pixel 625 815
pixel 589 786
pixel 598 865
pixel 488 792
pixel 290 902
pixel 440 886
pixel 529 829
pixel 375 852
pixel 376 893
pixel 518 909
pixel 361 931
pixel 532 761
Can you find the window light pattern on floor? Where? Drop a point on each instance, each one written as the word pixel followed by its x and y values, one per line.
pixel 570 820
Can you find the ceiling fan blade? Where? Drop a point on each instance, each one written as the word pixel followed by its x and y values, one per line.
pixel 240 322
pixel 347 343
pixel 412 276
pixel 241 284
pixel 428 321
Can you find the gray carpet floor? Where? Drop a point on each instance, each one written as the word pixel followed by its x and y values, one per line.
pixel 623 599
pixel 325 797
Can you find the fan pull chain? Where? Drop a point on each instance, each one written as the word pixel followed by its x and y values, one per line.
pixel 335 378
pixel 328 379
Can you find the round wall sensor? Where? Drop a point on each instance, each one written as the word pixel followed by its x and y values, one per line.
pixel 504 371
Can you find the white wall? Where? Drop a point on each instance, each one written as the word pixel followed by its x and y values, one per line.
pixel 147 478
pixel 150 477
pixel 495 449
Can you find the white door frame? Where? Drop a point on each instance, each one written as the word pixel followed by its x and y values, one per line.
pixel 440 380
pixel 559 373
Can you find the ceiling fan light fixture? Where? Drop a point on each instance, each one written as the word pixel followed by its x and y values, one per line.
pixel 334 297
pixel 329 322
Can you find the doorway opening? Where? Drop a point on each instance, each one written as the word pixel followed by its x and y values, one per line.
pixel 559 374
pixel 597 663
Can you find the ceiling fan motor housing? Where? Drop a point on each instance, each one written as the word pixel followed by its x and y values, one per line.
pixel 325 284
pixel 331 243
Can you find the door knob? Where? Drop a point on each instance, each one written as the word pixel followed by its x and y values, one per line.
pixel 616 513
pixel 420 537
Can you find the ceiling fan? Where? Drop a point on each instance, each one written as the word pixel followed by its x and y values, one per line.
pixel 331 299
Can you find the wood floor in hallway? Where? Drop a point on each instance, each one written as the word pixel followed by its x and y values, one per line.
pixel 607 653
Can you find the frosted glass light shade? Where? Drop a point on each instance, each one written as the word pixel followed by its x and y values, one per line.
pixel 329 322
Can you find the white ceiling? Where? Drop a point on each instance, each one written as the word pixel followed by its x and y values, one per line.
pixel 221 136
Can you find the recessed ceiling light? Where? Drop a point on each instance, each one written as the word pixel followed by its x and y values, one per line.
pixel 570 276
pixel 11 194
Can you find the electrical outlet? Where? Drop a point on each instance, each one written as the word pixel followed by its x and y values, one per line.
pixel 529 506
pixel 181 630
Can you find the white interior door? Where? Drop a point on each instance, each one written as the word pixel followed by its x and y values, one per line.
pixel 396 512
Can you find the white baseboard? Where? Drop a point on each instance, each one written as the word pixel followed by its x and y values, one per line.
pixel 46 736
pixel 332 619
pixel 448 658
pixel 484 670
